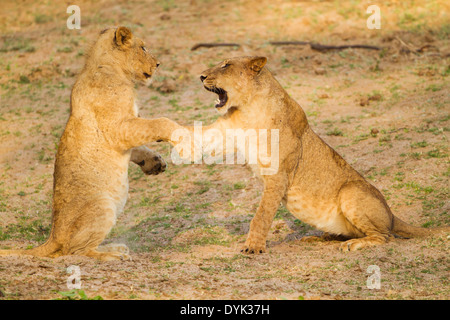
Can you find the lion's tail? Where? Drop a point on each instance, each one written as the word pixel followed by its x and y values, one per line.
pixel 405 230
pixel 47 249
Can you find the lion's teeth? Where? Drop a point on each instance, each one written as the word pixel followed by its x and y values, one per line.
pixel 218 101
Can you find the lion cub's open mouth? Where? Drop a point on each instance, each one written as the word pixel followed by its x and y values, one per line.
pixel 223 97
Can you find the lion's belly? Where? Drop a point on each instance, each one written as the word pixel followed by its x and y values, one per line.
pixel 122 194
pixel 321 214
pixel 118 186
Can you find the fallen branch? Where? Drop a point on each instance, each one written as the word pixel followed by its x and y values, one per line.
pixel 406 47
pixel 322 47
pixel 427 47
pixel 211 45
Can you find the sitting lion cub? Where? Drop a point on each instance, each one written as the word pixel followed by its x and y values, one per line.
pixel 314 182
pixel 91 168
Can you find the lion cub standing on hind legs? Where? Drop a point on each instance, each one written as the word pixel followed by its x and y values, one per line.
pixel 102 134
pixel 314 182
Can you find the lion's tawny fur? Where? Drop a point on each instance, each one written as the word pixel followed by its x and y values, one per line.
pixel 313 181
pixel 91 168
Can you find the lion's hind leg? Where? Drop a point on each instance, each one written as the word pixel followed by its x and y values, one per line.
pixel 116 249
pixel 106 256
pixel 359 243
pixel 368 217
pixel 91 227
pixel 109 252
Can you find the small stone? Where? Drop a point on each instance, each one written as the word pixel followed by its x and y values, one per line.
pixel 319 71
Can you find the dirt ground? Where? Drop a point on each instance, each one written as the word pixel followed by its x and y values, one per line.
pixel 386 112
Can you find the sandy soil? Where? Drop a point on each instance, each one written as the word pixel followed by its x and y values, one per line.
pixel 386 112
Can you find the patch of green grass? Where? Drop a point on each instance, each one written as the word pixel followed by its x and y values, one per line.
pixel 42 18
pixel 43 158
pixel 285 63
pixel 384 140
pixel 443 32
pixel 434 87
pixel 202 205
pixel 34 230
pixel 204 186
pixel 418 189
pixel 76 295
pixel 361 137
pixel 436 153
pixel 434 130
pixel 166 5
pixel 399 176
pixel 24 79
pixel 148 202
pixel 382 172
pixel 304 226
pixel 211 169
pixel 346 119
pixel 135 173
pixel 212 236
pixel 239 185
pixel 395 91
pixel 292 13
pixel 17 44
pixel 334 132
pixel 282 213
pixel 420 144
pixel 65 49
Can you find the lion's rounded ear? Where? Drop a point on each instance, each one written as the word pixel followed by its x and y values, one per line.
pixel 123 37
pixel 257 63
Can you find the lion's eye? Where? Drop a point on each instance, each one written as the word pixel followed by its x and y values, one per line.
pixel 225 65
pixel 143 48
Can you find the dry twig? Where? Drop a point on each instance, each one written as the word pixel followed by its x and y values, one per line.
pixel 211 45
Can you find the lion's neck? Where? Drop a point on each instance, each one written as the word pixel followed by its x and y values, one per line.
pixel 96 90
pixel 267 94
pixel 273 102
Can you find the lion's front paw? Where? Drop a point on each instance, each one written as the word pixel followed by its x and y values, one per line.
pixel 150 161
pixel 254 247
pixel 154 165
